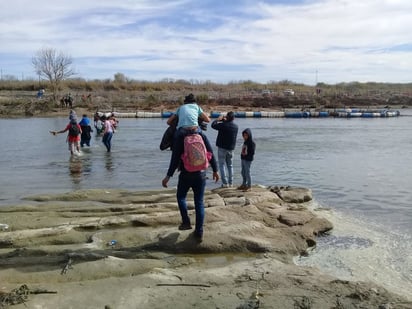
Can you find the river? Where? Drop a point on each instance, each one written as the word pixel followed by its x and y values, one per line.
pixel 359 168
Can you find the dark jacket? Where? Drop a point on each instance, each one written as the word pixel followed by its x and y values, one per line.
pixel 177 151
pixel 248 147
pixel 227 134
pixel 86 128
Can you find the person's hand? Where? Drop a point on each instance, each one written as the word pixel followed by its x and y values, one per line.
pixel 216 176
pixel 165 181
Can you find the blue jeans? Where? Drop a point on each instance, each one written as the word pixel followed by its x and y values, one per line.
pixel 225 158
pixel 107 140
pixel 182 132
pixel 196 181
pixel 247 180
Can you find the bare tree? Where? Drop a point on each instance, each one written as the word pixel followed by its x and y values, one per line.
pixel 53 66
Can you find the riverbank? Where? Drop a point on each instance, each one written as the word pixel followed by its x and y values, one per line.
pixel 15 104
pixel 122 249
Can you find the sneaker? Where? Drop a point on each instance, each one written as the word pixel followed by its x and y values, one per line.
pixel 183 227
pixel 241 187
pixel 230 185
pixel 224 185
pixel 246 188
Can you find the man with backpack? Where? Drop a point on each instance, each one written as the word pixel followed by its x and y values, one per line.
pixel 191 154
pixel 73 138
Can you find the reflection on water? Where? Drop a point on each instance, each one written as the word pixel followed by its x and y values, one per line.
pixel 108 161
pixel 75 168
pixel 80 167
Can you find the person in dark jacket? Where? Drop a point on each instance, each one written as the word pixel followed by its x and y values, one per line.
pixel 86 136
pixel 226 143
pixel 246 156
pixel 194 180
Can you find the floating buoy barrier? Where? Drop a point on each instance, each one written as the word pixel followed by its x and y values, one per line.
pixel 340 113
pixel 216 114
pixel 240 114
pixel 166 114
pixel 297 114
pixel 391 114
pixel 355 114
pixel 125 115
pixel 149 115
pixel 319 114
pixel 370 115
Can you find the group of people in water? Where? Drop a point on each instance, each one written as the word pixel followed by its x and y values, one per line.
pixel 79 132
pixel 185 126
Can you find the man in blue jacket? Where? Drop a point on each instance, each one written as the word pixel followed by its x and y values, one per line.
pixel 226 143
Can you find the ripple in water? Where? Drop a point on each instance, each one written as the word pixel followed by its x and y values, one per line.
pixel 343 242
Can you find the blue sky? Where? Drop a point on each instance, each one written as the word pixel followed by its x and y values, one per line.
pixel 311 41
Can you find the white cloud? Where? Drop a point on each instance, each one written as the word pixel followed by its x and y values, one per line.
pixel 334 40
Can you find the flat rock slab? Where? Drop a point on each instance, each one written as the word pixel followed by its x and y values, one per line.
pixel 125 247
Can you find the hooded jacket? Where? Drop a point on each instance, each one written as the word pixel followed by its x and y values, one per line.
pixel 248 147
pixel 227 133
pixel 86 127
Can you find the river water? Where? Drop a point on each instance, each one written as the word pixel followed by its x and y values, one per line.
pixel 358 168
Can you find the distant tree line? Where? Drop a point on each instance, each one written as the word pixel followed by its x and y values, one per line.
pixel 80 84
pixel 56 74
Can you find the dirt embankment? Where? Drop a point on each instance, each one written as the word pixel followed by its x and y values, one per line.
pixel 25 104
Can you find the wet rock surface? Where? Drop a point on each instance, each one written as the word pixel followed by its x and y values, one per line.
pixel 123 249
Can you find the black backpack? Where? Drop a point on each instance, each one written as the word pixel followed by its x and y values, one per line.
pixel 74 129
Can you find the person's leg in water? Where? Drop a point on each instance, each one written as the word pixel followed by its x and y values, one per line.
pixel 71 148
pixel 78 146
pixel 107 141
pixel 104 141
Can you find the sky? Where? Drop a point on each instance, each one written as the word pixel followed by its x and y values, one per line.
pixel 222 41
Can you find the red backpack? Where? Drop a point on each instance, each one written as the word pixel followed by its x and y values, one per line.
pixel 195 155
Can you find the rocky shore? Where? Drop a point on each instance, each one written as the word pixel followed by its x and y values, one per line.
pixel 122 249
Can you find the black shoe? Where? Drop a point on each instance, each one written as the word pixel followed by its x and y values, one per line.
pixel 198 237
pixel 183 227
